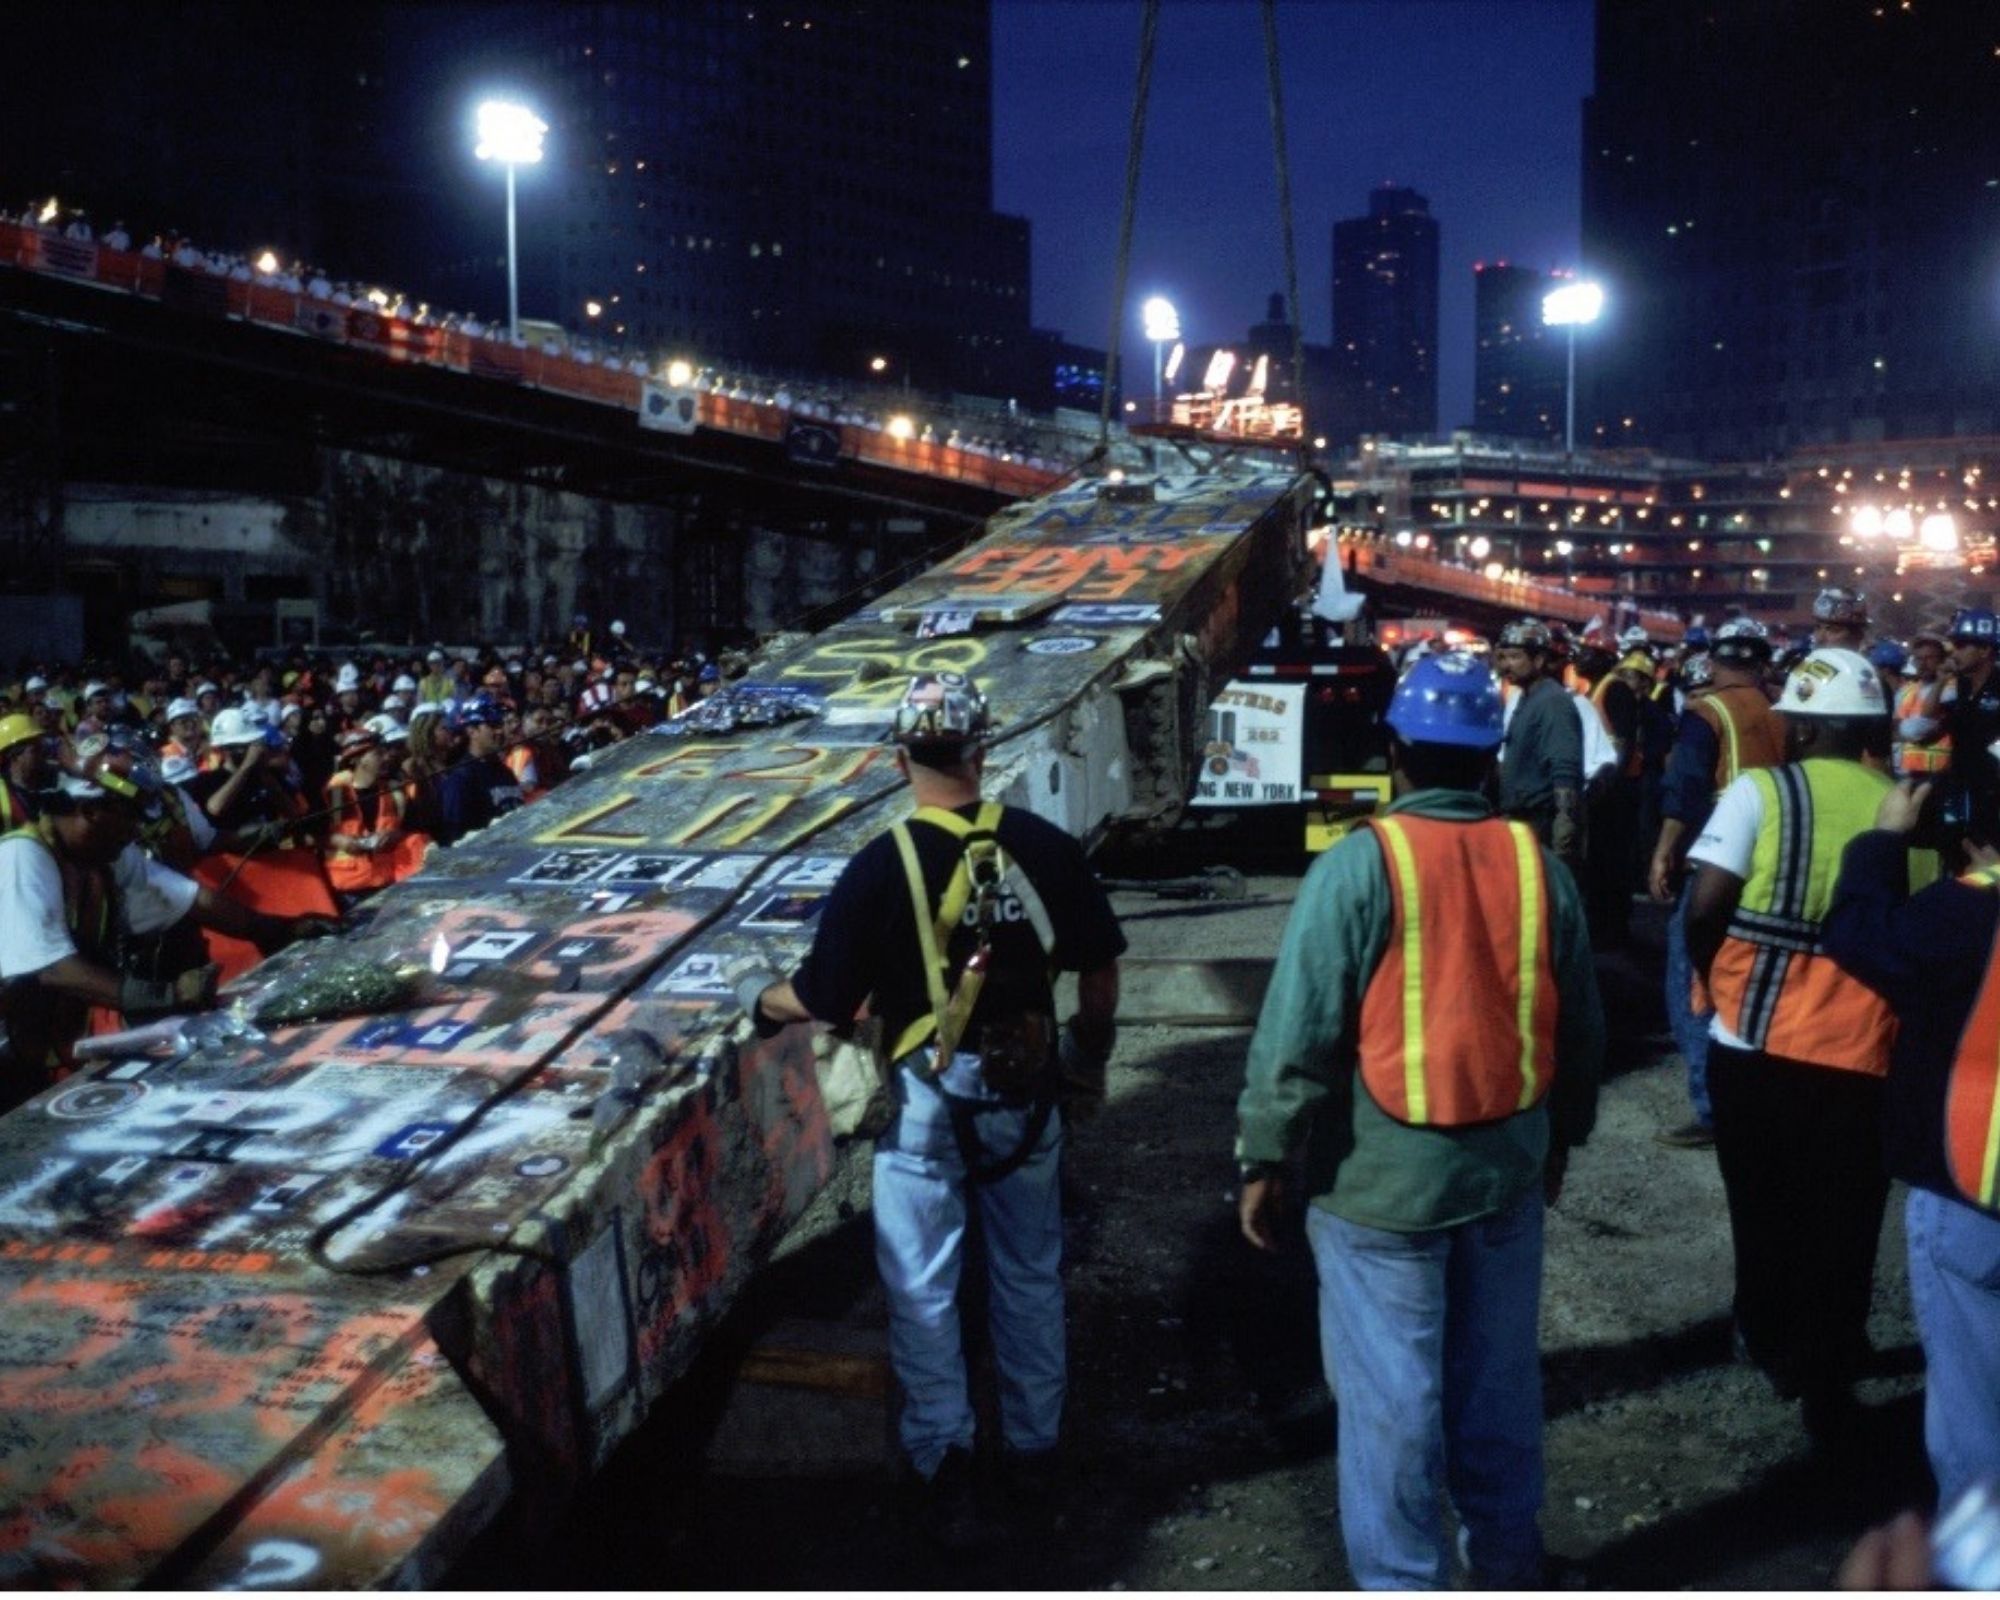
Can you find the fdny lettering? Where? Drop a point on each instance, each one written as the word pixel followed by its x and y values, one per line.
pixel 1007 908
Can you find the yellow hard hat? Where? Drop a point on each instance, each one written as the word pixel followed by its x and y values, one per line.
pixel 18 728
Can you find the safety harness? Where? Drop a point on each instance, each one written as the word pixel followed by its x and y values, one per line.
pixel 981 880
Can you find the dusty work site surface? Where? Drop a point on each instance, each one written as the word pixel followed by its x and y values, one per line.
pixel 1200 1431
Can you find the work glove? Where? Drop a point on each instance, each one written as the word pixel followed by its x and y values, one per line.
pixel 1080 1071
pixel 193 990
pixel 750 985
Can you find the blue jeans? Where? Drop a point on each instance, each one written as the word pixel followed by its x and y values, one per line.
pixel 1955 1284
pixel 1430 1347
pixel 1690 1027
pixel 921 1212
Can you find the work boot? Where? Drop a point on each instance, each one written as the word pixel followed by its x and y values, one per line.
pixel 1689 1136
pixel 1835 1421
pixel 946 1505
pixel 1036 1485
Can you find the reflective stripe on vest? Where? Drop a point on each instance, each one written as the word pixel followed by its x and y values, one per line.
pixel 1912 757
pixel 1458 1020
pixel 1773 985
pixel 1972 1094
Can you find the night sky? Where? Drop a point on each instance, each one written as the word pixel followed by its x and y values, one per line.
pixel 1477 104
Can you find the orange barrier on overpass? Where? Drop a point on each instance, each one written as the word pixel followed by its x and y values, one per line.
pixel 392 338
pixel 375 330
pixel 1368 560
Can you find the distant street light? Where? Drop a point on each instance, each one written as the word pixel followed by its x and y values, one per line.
pixel 1163 327
pixel 1572 306
pixel 878 364
pixel 511 135
pixel 267 263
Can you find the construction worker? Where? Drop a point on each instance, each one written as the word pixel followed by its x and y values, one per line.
pixel 1890 661
pixel 1923 748
pixel 1935 957
pixel 1541 762
pixel 1727 728
pixel 1971 700
pixel 367 845
pixel 73 886
pixel 24 769
pixel 1600 755
pixel 1840 620
pixel 270 856
pixel 478 787
pixel 1798 1047
pixel 187 732
pixel 1427 1055
pixel 954 923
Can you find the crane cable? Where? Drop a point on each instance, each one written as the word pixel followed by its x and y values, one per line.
pixel 1134 145
pixel 1285 217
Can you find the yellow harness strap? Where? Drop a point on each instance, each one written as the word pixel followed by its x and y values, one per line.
pixel 1732 749
pixel 950 1011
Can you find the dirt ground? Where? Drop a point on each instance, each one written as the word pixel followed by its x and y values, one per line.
pixel 1200 1429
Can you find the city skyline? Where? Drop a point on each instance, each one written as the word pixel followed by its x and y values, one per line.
pixel 1484 117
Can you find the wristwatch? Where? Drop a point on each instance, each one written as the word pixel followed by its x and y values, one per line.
pixel 1257 1171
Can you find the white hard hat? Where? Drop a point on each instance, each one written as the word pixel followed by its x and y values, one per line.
pixel 349 677
pixel 182 707
pixel 404 684
pixel 1834 683
pixel 93 689
pixel 386 728
pixel 235 725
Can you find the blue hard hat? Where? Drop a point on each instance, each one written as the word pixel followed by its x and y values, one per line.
pixel 1885 655
pixel 1696 638
pixel 1975 625
pixel 1449 699
pixel 479 712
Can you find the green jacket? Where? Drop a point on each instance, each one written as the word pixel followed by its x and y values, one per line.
pixel 1302 1094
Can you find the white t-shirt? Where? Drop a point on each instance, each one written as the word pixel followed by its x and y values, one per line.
pixel 34 931
pixel 1729 841
pixel 1599 753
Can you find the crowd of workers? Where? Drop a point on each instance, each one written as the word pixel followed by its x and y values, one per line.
pixel 281 792
pixel 1833 982
pixel 1430 1044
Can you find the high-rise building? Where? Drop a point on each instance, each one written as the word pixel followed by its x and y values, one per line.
pixel 803 186
pixel 800 186
pixel 1518 366
pixel 245 128
pixel 1794 206
pixel 1385 316
pixel 1274 339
